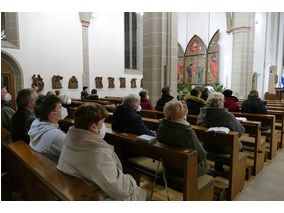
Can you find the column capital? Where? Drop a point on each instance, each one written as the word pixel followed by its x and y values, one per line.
pixel 85 18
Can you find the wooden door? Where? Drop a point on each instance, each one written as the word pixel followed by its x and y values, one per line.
pixel 7 80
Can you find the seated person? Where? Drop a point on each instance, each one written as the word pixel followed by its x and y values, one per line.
pixel 254 104
pixel 127 120
pixel 204 93
pixel 230 102
pixel 184 93
pixel 24 116
pixel 45 136
pixel 145 103
pixel 84 93
pixel 93 95
pixel 57 92
pixel 215 115
pixel 6 112
pixel 166 97
pixel 68 111
pixel 176 131
pixel 88 157
pixel 194 102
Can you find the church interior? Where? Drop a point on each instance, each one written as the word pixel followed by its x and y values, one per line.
pixel 116 55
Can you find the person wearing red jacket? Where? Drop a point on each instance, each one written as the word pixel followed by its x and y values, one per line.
pixel 145 103
pixel 230 102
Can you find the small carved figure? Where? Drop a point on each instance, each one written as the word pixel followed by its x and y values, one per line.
pixel 99 83
pixel 133 83
pixel 56 84
pixel 37 82
pixel 110 82
pixel 122 82
pixel 141 83
pixel 73 83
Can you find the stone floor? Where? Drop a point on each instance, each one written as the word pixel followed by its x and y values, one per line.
pixel 268 185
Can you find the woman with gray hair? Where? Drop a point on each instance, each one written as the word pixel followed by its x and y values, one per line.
pixel 144 101
pixel 215 115
pixel 126 118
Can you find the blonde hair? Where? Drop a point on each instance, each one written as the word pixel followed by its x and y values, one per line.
pixel 173 109
pixel 215 99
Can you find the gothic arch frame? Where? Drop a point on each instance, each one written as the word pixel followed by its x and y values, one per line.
pixel 16 67
pixel 180 65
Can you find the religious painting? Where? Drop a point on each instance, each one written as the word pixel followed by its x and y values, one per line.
pixel 133 83
pixel 99 82
pixel 141 83
pixel 122 83
pixel 56 84
pixel 180 59
pixel 195 62
pixel 213 59
pixel 73 83
pixel 110 82
pixel 37 82
pixel 195 69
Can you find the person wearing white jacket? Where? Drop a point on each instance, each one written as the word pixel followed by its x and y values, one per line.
pixel 87 156
pixel 45 135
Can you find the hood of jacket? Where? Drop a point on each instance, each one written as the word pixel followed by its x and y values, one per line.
pixel 194 98
pixel 81 139
pixel 38 128
pixel 213 113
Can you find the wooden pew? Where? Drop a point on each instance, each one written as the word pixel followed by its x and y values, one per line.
pixel 250 144
pixel 43 181
pixel 265 120
pixel 178 157
pixel 80 101
pixel 235 160
pixel 279 125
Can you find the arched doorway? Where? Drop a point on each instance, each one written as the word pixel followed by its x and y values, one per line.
pixel 7 80
pixel 11 76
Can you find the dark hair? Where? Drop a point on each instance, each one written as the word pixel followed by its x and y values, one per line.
pixel 57 92
pixel 194 92
pixel 94 91
pixel 85 88
pixel 143 93
pixel 45 105
pixel 228 93
pixel 205 90
pixel 89 113
pixel 166 90
pixel 23 97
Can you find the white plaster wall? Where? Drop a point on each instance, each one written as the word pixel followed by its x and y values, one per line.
pixel 205 25
pixel 50 44
pixel 259 52
pixel 106 54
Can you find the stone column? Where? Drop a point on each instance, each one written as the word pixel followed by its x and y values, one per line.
pixel 85 21
pixel 159 52
pixel 242 56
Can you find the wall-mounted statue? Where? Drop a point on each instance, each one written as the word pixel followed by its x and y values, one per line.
pixel 141 83
pixel 56 84
pixel 122 82
pixel 133 83
pixel 37 82
pixel 110 82
pixel 99 82
pixel 73 83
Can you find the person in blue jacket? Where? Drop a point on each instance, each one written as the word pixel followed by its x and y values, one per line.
pixel 126 118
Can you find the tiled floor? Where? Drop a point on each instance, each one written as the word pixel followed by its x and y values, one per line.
pixel 268 184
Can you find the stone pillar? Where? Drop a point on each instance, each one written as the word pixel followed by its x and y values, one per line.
pixel 242 56
pixel 159 52
pixel 85 21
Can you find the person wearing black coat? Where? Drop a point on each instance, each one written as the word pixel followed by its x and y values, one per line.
pixel 127 120
pixel 166 97
pixel 254 104
pixel 84 93
pixel 194 102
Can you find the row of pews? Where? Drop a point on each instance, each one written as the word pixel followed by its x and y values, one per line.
pixel 42 181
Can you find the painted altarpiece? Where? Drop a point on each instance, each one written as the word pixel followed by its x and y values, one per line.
pixel 180 59
pixel 213 59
